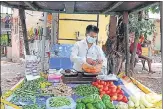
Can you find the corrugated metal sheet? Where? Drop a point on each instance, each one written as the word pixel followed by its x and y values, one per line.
pixel 97 7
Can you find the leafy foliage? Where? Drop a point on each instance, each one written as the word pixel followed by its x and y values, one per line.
pixel 154 9
pixel 145 27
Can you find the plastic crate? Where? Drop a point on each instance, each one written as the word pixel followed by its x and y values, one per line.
pixel 61 59
pixel 60 62
pixel 63 50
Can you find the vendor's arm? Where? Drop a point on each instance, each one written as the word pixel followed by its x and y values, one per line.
pixel 102 57
pixel 74 55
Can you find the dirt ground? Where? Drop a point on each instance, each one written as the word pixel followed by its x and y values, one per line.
pixel 11 74
pixel 152 81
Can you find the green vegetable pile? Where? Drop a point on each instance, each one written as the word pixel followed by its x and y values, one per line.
pixel 28 91
pixel 59 102
pixel 84 90
pixel 34 106
pixel 94 102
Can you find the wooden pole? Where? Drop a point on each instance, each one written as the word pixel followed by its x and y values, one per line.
pixel 126 34
pixel 161 28
pixel 54 28
pixel 24 29
pixel 43 41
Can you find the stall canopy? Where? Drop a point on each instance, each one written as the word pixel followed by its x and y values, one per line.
pixel 82 7
pixel 79 7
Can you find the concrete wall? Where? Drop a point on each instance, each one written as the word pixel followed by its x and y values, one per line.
pixel 32 18
pixel 15 40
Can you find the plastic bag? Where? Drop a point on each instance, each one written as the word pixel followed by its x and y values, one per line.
pixel 72 106
pixel 92 69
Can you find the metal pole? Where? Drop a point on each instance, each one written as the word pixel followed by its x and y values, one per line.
pixel 43 41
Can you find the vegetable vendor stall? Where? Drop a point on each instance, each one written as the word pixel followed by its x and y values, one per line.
pixel 35 94
pixel 44 93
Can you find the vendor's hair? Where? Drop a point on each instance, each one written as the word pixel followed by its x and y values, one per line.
pixel 92 28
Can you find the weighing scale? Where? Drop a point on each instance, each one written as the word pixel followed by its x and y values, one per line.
pixel 86 78
pixel 78 78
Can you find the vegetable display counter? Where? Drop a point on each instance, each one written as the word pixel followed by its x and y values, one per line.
pixel 35 94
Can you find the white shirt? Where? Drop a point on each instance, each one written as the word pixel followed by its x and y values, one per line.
pixel 80 52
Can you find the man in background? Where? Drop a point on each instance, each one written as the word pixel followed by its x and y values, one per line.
pixel 139 54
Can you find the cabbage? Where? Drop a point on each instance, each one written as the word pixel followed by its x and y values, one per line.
pixel 122 105
pixel 131 104
pixel 142 106
pixel 138 108
pixel 145 102
pixel 135 100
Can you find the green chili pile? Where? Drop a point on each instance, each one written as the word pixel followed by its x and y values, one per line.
pixel 85 90
pixel 59 102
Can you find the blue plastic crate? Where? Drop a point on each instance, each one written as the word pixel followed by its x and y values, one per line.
pixel 60 62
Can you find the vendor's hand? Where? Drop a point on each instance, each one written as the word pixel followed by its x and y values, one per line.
pixel 89 61
pixel 99 61
pixel 94 63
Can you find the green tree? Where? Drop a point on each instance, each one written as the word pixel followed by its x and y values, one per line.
pixel 154 9
pixel 139 25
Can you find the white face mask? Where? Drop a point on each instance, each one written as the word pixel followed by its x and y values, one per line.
pixel 91 39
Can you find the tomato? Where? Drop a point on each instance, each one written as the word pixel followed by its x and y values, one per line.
pixel 93 83
pixel 113 90
pixel 96 84
pixel 119 97
pixel 125 99
pixel 118 90
pixel 105 88
pixel 108 92
pixel 102 82
pixel 113 86
pixel 113 98
pixel 105 84
pixel 121 92
pixel 111 83
pixel 100 86
pixel 102 92
pixel 98 81
pixel 119 87
pixel 112 94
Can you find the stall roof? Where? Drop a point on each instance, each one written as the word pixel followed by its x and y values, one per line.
pixel 81 7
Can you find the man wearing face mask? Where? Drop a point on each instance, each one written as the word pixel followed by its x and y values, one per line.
pixel 86 50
